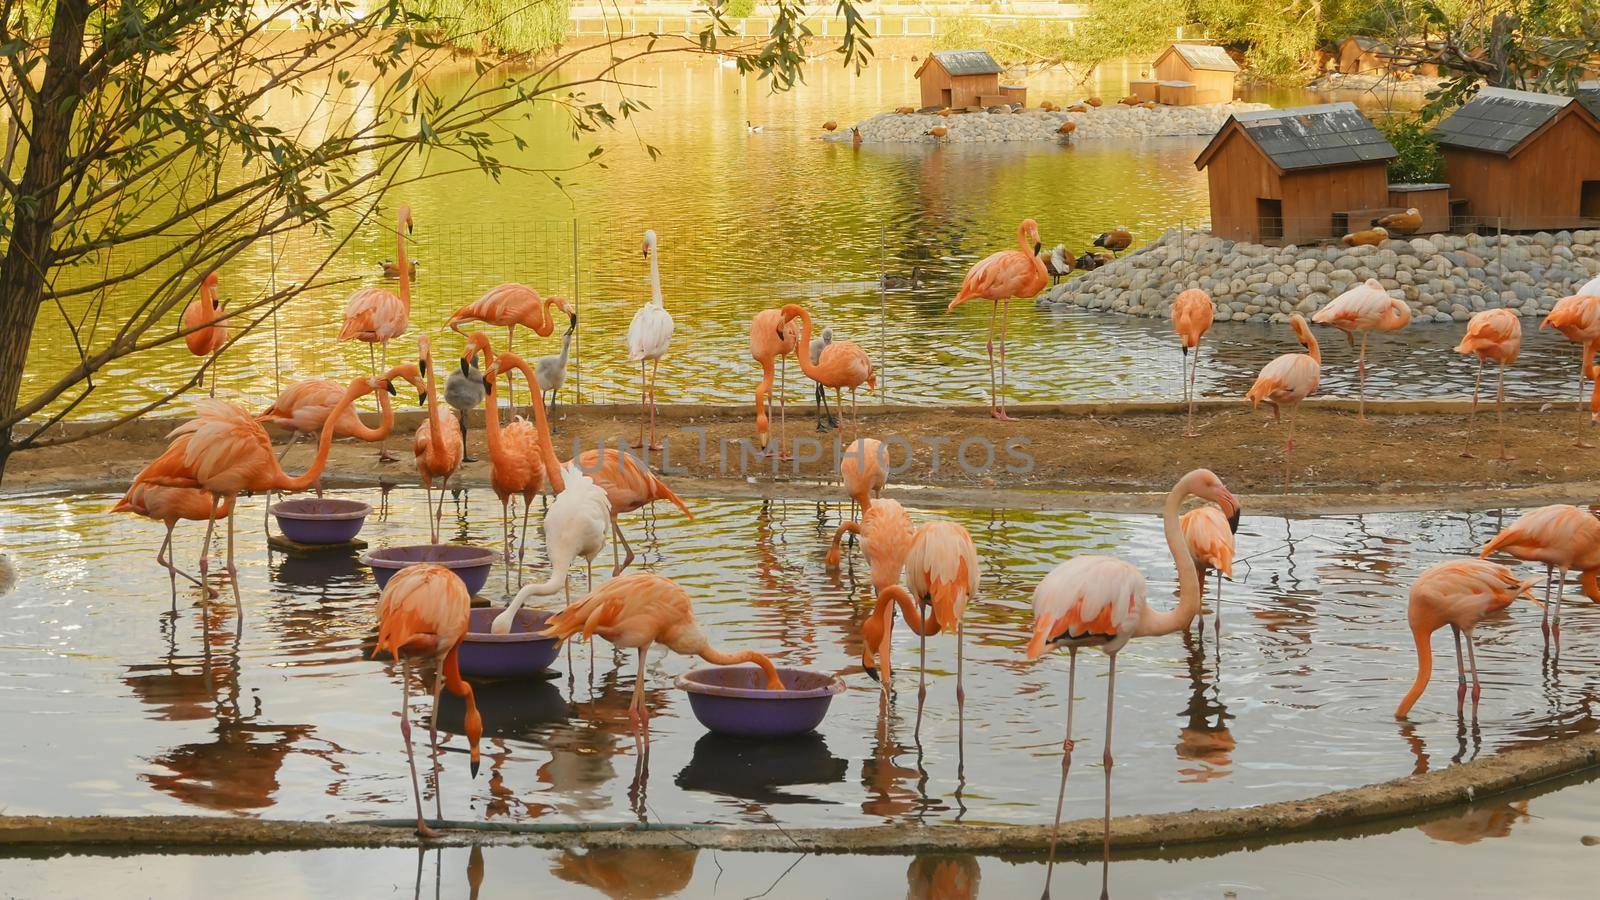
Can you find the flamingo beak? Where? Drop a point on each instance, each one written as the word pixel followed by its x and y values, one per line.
pixel 871 671
pixel 474 768
pixel 464 369
pixel 390 386
pixel 422 366
pixel 1233 517
pixel 573 321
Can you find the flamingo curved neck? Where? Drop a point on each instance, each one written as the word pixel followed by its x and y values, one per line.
pixel 812 370
pixel 1179 617
pixel 359 430
pixel 291 484
pixel 655 279
pixel 1022 242
pixel 547 448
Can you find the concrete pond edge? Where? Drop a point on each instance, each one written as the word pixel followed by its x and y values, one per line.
pixel 1377 807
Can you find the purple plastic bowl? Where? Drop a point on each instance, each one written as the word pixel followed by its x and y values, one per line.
pixel 316 520
pixel 471 564
pixel 518 654
pixel 733 700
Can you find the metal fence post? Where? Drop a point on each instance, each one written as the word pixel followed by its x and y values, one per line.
pixel 883 312
pixel 577 334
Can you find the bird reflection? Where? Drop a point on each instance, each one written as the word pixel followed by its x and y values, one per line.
pixel 629 874
pixel 885 779
pixel 943 877
pixel 1205 739
pixel 580 763
pixel 1477 823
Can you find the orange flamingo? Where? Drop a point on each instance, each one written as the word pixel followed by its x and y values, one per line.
pixel 640 610
pixel 864 471
pixel 1458 593
pixel 516 466
pixel 375 315
pixel 422 616
pixel 1366 308
pixel 1290 378
pixel 1578 319
pixel 204 333
pixel 1099 601
pixel 437 445
pixel 771 346
pixel 885 531
pixel 509 305
pixel 842 364
pixel 1209 537
pixel 227 452
pixel 942 574
pixel 998 278
pixel 1494 335
pixel 1192 315
pixel 1562 537
pixel 169 505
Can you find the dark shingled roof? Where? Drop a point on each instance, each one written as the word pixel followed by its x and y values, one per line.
pixel 1305 137
pixel 1589 95
pixel 967 62
pixel 1498 120
pixel 1206 56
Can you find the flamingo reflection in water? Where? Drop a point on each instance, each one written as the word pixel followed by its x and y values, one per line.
pixel 952 876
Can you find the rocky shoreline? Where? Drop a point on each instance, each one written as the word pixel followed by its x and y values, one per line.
pixel 1444 277
pixel 1380 83
pixel 1112 120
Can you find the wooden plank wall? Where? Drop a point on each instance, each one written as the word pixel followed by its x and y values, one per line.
pixel 1310 198
pixel 1539 188
pixel 1238 174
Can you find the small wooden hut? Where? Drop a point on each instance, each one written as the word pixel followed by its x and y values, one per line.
pixel 1359 55
pixel 1294 175
pixel 1523 161
pixel 960 78
pixel 1208 67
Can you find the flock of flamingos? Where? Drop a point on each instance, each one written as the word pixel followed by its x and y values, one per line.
pixel 927 573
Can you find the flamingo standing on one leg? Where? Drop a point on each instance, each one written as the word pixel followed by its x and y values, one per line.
pixel 1578 319
pixel 1192 314
pixel 649 335
pixel 1209 536
pixel 1494 335
pixel 771 346
pixel 640 610
pixel 205 335
pixel 998 278
pixel 1562 537
pixel 422 616
pixel 1099 601
pixel 842 364
pixel 377 316
pixel 1366 308
pixel 509 305
pixel 1289 379
pixel 1458 593
pixel 169 505
pixel 437 445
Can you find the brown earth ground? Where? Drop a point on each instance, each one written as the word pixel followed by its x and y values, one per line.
pixel 1098 455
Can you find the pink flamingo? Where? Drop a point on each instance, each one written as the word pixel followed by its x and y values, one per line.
pixel 942 572
pixel 1099 601
pixel 1494 335
pixel 375 315
pixel 998 278
pixel 437 446
pixel 864 472
pixel 1458 593
pixel 166 504
pixel 842 364
pixel 771 347
pixel 886 532
pixel 649 336
pixel 1562 537
pixel 205 334
pixel 516 465
pixel 509 305
pixel 1209 536
pixel 1578 319
pixel 1290 378
pixel 422 616
pixel 1366 308
pixel 1192 315
pixel 640 610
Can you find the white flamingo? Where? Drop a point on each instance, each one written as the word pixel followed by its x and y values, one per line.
pixel 576 524
pixel 649 335
pixel 552 370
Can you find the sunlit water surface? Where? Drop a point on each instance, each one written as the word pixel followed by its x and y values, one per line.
pixel 121 699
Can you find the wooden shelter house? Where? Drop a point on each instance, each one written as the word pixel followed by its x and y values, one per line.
pixel 960 78
pixel 1208 67
pixel 1294 175
pixel 1523 161
pixel 1359 55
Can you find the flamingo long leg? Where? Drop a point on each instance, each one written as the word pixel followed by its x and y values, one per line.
pixel 522 542
pixel 1472 660
pixel 433 741
pixel 1361 377
pixel 1111 693
pixel 622 539
pixel 643 414
pixel 636 710
pixel 1005 321
pixel 233 570
pixel 655 372
pixel 1461 670
pixel 1544 619
pixel 783 382
pixel 922 670
pixel 1066 764
pixel 1499 409
pixel 1477 383
pixel 511 381
pixel 505 532
pixel 1216 614
pixel 993 310
pixel 405 734
pixel 961 710
pixel 1555 624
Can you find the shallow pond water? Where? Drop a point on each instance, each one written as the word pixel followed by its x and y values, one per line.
pixel 123 699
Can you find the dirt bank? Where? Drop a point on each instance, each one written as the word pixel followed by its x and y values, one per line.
pixel 1096 455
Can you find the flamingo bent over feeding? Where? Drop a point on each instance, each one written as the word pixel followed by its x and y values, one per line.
pixel 1192 315
pixel 941 573
pixel 1099 601
pixel 649 335
pixel 1578 319
pixel 377 316
pixel 1562 537
pixel 1209 537
pixel 509 305
pixel 842 364
pixel 204 334
pixel 1494 335
pixel 886 532
pixel 998 278
pixel 436 447
pixel 1366 308
pixel 770 346
pixel 1289 379
pixel 640 610
pixel 1458 593
pixel 423 615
